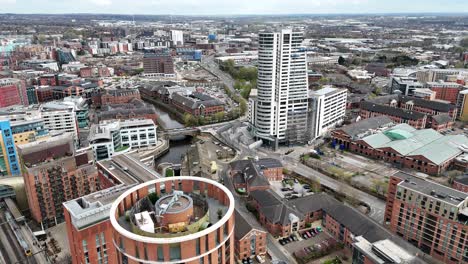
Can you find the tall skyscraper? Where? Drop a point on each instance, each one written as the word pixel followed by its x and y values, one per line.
pixel 177 37
pixel 279 111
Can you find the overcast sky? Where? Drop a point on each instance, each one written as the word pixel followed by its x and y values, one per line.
pixel 231 7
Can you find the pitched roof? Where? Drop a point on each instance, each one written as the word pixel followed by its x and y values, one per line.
pixel 362 126
pixel 434 105
pixel 245 224
pixel 442 118
pixel 428 143
pixel 357 223
pixel 392 111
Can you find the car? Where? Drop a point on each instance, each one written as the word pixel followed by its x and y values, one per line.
pixel 306 186
pixel 294 237
pixel 296 181
pixel 294 192
pixel 250 261
pixel 307 250
pixel 281 241
pixel 313 231
pixel 318 228
pixel 260 259
pixel 304 235
pixel 309 233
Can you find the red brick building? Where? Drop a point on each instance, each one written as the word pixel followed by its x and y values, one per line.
pixel 54 173
pixel 197 104
pixel 398 115
pixel 13 92
pixel 117 96
pixel 254 175
pixel 250 237
pixel 45 94
pixel 446 91
pixel 424 150
pixel 158 64
pixel 428 215
pixel 461 183
pixel 48 79
pixel 135 109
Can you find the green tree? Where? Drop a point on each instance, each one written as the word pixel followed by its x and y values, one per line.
pixel 464 42
pixel 341 60
pixel 219 116
pixel 190 120
pixel 243 107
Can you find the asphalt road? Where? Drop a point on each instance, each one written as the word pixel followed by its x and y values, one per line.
pixel 210 65
pixel 377 206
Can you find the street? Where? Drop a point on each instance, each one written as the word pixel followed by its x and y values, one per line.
pixel 377 206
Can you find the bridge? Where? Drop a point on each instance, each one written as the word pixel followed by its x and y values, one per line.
pixel 186 131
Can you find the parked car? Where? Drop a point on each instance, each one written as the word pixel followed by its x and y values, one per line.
pixel 306 186
pixel 318 228
pixel 260 259
pixel 294 237
pixel 282 242
pixel 307 250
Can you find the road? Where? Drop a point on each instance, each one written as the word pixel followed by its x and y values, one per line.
pixel 210 65
pixel 377 206
pixel 277 252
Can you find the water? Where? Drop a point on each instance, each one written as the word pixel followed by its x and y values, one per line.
pixel 177 150
pixel 165 120
pixel 177 146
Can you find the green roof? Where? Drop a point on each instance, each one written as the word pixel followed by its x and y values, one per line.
pixel 396 134
pixel 428 143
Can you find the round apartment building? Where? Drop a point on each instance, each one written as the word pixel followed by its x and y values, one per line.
pixel 174 220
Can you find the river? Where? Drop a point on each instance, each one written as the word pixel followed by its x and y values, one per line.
pixel 178 146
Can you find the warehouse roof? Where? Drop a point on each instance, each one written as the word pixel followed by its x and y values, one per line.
pixel 408 141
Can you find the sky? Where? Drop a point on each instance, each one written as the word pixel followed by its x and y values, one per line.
pixel 232 7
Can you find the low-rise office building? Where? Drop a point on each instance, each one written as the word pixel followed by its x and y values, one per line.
pixel 114 136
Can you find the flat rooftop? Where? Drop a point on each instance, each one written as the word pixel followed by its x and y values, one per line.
pixel 433 189
pixel 95 207
pixel 129 170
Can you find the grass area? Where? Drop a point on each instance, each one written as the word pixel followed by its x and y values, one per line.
pixel 121 148
pixel 169 172
pixel 340 173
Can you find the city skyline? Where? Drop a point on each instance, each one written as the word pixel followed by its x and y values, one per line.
pixel 211 7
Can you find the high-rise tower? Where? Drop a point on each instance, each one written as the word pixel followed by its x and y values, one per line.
pixel 279 111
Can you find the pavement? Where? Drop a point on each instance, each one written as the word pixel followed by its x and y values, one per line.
pixel 377 206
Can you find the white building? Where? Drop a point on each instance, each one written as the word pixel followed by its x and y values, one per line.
pixel 60 118
pixel 177 37
pixel 281 105
pixel 328 108
pixel 112 136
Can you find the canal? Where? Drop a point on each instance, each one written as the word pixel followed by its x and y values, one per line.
pixel 179 145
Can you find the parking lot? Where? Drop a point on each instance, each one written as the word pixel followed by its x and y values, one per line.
pixel 290 188
pixel 303 243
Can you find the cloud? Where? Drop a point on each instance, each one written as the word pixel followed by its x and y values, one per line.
pixel 100 2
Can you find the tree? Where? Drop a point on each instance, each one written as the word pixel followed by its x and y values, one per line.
pixel 243 107
pixel 219 116
pixel 190 120
pixel 341 60
pixel 464 42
